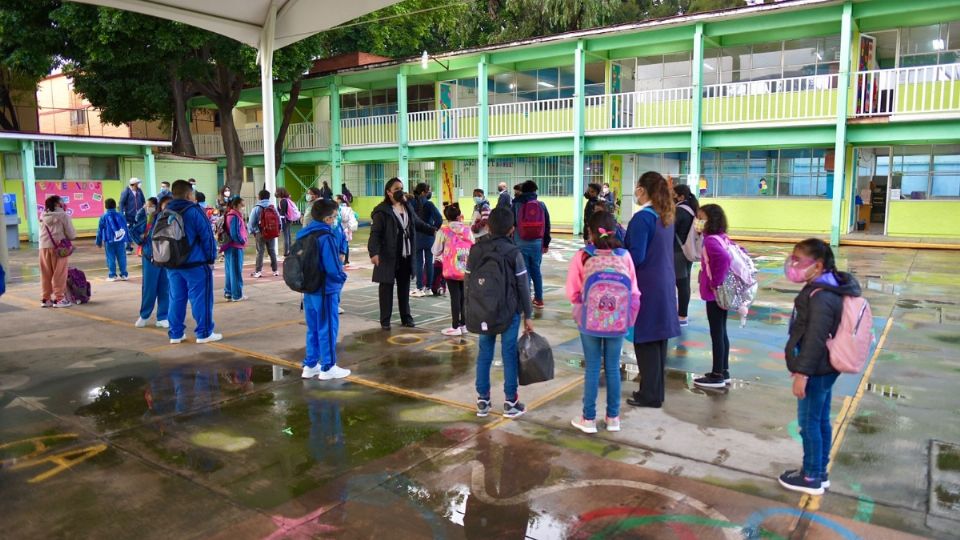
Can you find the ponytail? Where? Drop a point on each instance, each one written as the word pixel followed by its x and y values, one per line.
pixel 659 193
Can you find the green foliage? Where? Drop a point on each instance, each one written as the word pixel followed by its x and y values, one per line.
pixel 29 41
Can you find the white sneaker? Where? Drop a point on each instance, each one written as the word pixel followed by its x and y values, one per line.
pixel 275 274
pixel 340 311
pixel 141 322
pixel 63 302
pixel 584 425
pixel 415 293
pixel 310 372
pixel 464 331
pixel 335 372
pixel 111 279
pixel 211 338
pixel 163 324
pixel 451 332
pixel 124 278
pixel 256 274
pixel 176 340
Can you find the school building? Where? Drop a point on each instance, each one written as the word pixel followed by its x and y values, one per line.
pixel 783 113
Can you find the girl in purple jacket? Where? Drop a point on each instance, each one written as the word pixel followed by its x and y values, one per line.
pixel 712 222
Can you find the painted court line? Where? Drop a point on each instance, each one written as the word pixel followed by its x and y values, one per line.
pixel 77 311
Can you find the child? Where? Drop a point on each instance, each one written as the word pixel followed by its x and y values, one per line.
pixel 452 246
pixel 712 222
pixel 321 308
pixel 234 239
pixel 498 291
pixel 347 222
pixel 154 288
pixel 113 237
pixel 816 316
pixel 602 285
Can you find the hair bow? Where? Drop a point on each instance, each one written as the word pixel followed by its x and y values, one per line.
pixel 603 232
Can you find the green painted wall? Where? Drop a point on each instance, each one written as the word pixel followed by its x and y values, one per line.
pixel 363 206
pixel 924 218
pixel 776 215
pixel 204 171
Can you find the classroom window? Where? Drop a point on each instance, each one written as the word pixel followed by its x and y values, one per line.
pixel 925 172
pixel 765 173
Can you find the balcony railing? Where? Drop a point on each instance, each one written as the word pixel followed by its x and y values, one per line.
pixel 546 117
pixel 444 125
pixel 208 144
pixel 653 109
pixel 308 136
pixel 809 98
pixel 908 91
pixel 369 131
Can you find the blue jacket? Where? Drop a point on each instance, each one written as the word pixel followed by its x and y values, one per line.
pixel 131 203
pixel 428 213
pixel 253 223
pixel 329 247
pixel 650 244
pixel 112 228
pixel 137 232
pixel 198 230
pixel 519 201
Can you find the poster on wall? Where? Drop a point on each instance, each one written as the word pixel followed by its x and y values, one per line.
pixel 447 181
pixel 868 94
pixel 80 199
pixel 616 180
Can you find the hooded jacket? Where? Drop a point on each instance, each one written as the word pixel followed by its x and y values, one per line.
pixel 328 246
pixel 197 228
pixel 518 202
pixel 815 319
pixel 254 223
pixel 60 226
pixel 112 228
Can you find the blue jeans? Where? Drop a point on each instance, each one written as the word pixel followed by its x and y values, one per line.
pixel 423 266
pixel 813 416
pixel 532 251
pixel 323 325
pixel 154 290
pixel 233 273
pixel 195 284
pixel 116 256
pixel 605 352
pixel 511 361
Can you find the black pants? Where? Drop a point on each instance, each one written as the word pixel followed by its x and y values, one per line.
pixel 683 292
pixel 652 361
pixel 403 295
pixel 456 303
pixel 717 318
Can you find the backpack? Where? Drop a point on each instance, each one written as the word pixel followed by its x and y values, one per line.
pixel 220 231
pixel 531 222
pixel 692 246
pixel 171 247
pixel 455 254
pixel 3 281
pixel 78 288
pixel 269 222
pixel 850 348
pixel 293 213
pixel 739 287
pixel 302 271
pixel 491 292
pixel 116 229
pixel 605 308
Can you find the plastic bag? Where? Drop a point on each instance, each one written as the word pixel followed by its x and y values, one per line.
pixel 536 359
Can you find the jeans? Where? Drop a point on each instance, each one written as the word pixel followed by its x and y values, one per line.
pixel 717 318
pixel 601 352
pixel 116 256
pixel 532 251
pixel 271 247
pixel 323 325
pixel 813 416
pixel 285 233
pixel 511 360
pixel 233 273
pixel 403 295
pixel 456 303
pixel 652 361
pixel 154 290
pixel 423 267
pixel 195 284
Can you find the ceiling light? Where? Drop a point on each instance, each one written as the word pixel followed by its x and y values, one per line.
pixel 545 84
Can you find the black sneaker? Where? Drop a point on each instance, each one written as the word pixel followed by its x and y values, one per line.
pixel 710 380
pixel 726 377
pixel 513 409
pixel 483 406
pixel 825 483
pixel 797 481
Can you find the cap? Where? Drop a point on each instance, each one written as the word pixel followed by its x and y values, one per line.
pixel 134 180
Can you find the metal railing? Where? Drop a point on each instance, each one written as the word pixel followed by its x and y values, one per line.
pixel 812 97
pixel 308 136
pixel 908 91
pixel 370 130
pixel 443 125
pixel 546 117
pixel 208 144
pixel 650 109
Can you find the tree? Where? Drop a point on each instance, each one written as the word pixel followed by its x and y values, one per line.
pixel 29 44
pixel 291 64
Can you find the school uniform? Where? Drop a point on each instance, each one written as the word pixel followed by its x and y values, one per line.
pixel 320 308
pixel 154 287
pixel 113 237
pixel 193 281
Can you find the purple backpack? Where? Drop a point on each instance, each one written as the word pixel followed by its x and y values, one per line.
pixel 78 288
pixel 606 295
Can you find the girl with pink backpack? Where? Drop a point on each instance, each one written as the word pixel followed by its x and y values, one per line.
pixel 452 245
pixel 602 286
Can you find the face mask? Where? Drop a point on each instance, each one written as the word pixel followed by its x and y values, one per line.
pixel 477 200
pixel 226 194
pixel 429 195
pixel 309 197
pixel 587 196
pixel 398 196
pixel 149 209
pixel 795 272
pixel 699 224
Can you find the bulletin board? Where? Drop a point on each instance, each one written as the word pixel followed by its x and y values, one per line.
pixel 80 199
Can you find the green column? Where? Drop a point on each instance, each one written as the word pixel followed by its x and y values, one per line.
pixel 840 144
pixel 30 189
pixel 336 151
pixel 277 120
pixel 403 165
pixel 579 101
pixel 483 124
pixel 696 120
pixel 150 171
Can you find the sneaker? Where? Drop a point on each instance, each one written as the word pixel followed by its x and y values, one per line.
pixel 275 273
pixel 256 274
pixel 124 278
pixel 726 377
pixel 46 303
pixel 241 299
pixel 163 324
pixel 710 380
pixel 613 424
pixel 211 338
pixel 538 304
pixel 339 311
pixel 684 322
pixel 335 372
pixel 141 322
pixel 584 425
pixel 310 372
pixel 176 340
pixel 111 279
pixel 825 483
pixel 796 481
pixel 483 406
pixel 63 302
pixel 513 409
pixel 227 296
pixel 451 332
pixel 464 331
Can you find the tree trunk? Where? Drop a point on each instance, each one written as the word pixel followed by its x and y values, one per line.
pixel 182 138
pixel 231 147
pixel 9 120
pixel 288 110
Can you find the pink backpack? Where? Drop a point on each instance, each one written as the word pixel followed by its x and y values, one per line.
pixel 850 348
pixel 605 311
pixel 455 254
pixel 293 213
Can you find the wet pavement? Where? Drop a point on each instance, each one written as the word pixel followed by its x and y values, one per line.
pixel 107 430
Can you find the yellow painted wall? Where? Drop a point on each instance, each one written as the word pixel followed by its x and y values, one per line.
pixel 924 218
pixel 776 215
pixel 927 96
pixel 205 172
pixel 793 105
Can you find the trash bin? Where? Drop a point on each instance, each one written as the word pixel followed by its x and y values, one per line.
pixel 11 221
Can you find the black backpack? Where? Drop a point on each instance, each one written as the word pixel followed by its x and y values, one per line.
pixel 302 271
pixel 491 296
pixel 171 247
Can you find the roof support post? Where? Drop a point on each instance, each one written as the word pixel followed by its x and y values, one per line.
pixel 336 150
pixel 403 159
pixel 579 128
pixel 840 144
pixel 483 124
pixel 696 109
pixel 266 82
pixel 150 171
pixel 30 189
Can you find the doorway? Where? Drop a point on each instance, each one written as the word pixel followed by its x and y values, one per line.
pixel 871 190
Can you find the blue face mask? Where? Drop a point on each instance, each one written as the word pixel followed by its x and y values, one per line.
pixel 477 200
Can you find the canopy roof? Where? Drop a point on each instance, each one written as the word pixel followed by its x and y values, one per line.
pixel 244 20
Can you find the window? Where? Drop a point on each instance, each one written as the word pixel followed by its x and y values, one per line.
pixel 78 117
pixel 922 172
pixel 931 45
pixel 11 166
pixel 767 61
pixel 544 84
pixel 765 173
pixel 45 154
pixel 90 168
pixel 553 174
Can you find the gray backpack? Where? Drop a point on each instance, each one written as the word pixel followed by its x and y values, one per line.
pixel 171 248
pixel 692 246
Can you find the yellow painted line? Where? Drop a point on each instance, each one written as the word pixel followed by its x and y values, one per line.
pixel 279 324
pixel 253 354
pixel 559 391
pixel 78 311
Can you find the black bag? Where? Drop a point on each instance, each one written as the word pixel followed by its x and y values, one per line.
pixel 536 359
pixel 171 247
pixel 491 292
pixel 302 270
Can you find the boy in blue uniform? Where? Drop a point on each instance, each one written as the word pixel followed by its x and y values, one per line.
pixel 321 308
pixel 113 237
pixel 153 289
pixel 194 279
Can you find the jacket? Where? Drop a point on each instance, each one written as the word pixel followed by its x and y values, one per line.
pixel 576 277
pixel 481 214
pixel 236 230
pixel 328 246
pixel 514 259
pixel 254 222
pixel 198 232
pixel 131 203
pixel 650 244
pixel 714 266
pixel 60 226
pixel 440 244
pixel 112 228
pixel 589 209
pixel 385 241
pixel 815 319
pixel 503 199
pixel 426 211
pixel 682 227
pixel 140 233
pixel 518 202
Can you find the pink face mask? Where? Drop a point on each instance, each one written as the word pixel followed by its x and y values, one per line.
pixel 797 270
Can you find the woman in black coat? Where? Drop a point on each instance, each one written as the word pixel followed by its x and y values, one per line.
pixel 687 206
pixel 391 246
